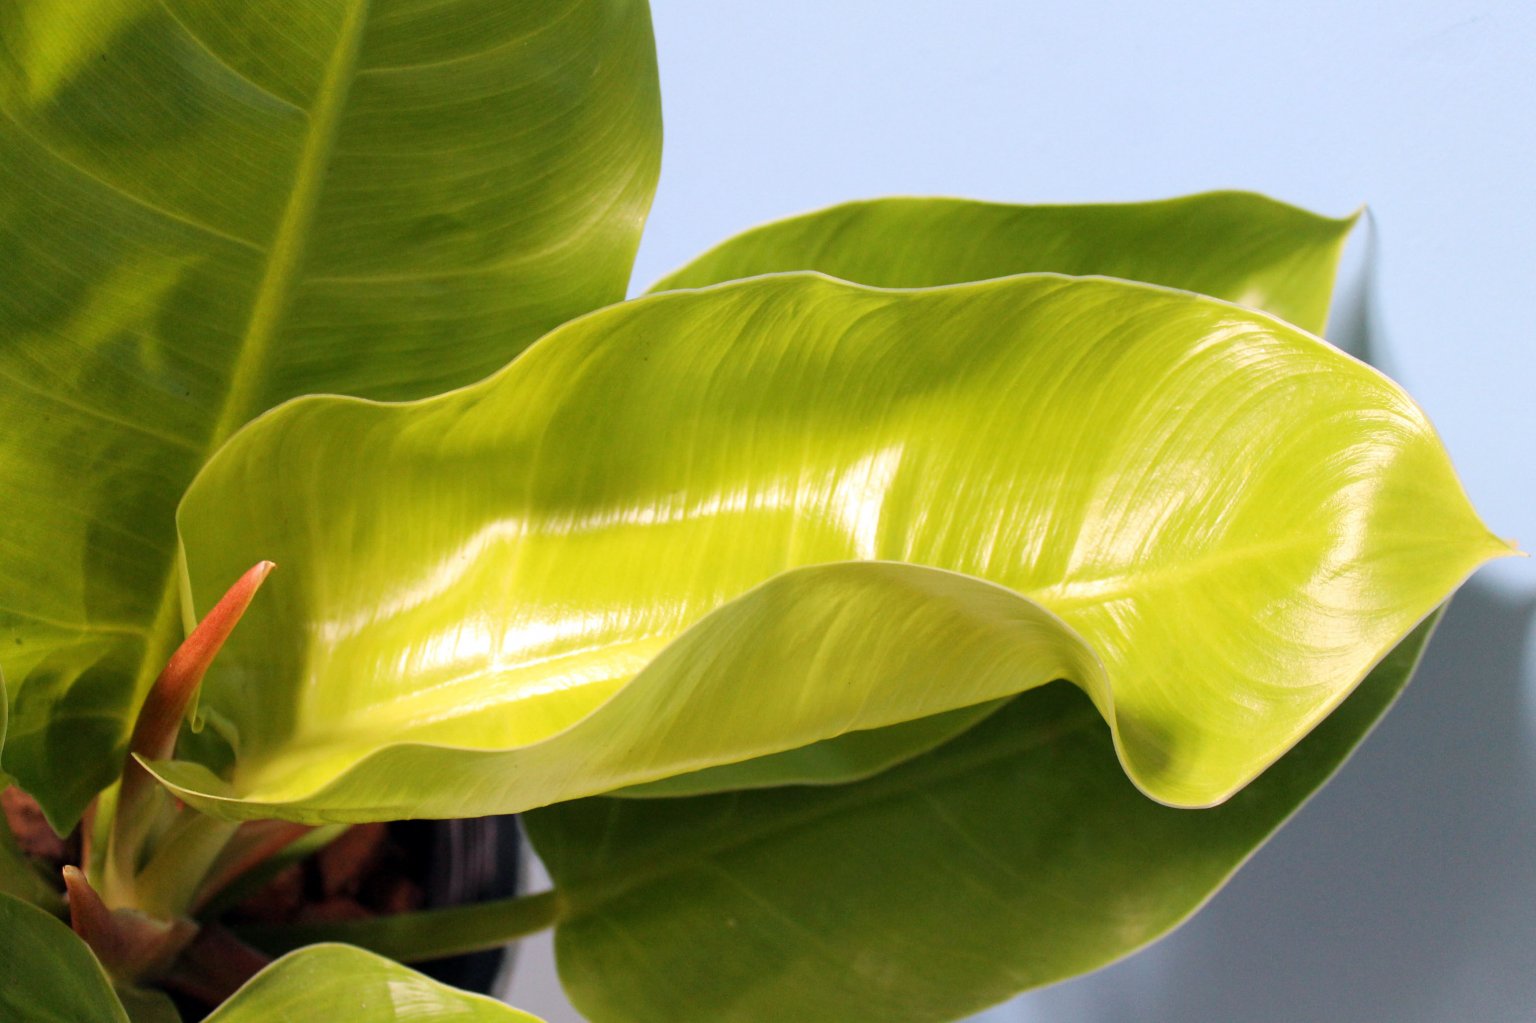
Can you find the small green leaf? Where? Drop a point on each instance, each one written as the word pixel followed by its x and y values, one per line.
pixel 145 1005
pixel 1012 857
pixel 207 208
pixel 50 976
pixel 714 525
pixel 1238 246
pixel 338 982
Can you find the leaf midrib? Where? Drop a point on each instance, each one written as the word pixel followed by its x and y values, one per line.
pixel 281 272
pixel 285 255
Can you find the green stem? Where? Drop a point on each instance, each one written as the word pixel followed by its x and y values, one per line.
pixel 169 882
pixel 430 934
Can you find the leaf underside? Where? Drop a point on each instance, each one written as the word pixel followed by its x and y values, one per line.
pixel 1239 246
pixel 1015 856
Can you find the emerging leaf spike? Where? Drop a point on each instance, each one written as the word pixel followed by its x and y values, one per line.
pixel 154 734
pixel 88 915
pixel 159 721
pixel 130 945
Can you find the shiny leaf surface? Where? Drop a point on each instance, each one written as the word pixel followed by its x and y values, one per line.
pixel 50 976
pixel 714 525
pixel 1238 246
pixel 207 208
pixel 338 982
pixel 1014 856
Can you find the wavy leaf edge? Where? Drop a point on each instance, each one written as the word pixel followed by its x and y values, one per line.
pixel 194 784
pixel 1344 225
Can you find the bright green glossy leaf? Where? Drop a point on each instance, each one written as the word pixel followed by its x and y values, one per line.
pixel 1212 522
pixel 49 974
pixel 1238 246
pixel 1014 856
pixel 209 207
pixel 338 982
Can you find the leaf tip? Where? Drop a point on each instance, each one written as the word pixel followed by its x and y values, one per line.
pixel 88 915
pixel 1496 547
pixel 155 731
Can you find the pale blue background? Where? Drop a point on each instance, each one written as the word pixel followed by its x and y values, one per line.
pixel 1407 891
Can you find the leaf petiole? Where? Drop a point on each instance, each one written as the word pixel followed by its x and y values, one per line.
pixel 429 934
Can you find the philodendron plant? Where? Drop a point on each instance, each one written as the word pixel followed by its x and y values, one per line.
pixel 898 607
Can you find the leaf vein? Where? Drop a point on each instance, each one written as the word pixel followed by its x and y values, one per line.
pixel 37 141
pixel 213 55
pixel 283 265
pixel 91 412
pixel 465 58
pixel 104 628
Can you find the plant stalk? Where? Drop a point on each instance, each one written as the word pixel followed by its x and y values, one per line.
pixel 167 885
pixel 429 934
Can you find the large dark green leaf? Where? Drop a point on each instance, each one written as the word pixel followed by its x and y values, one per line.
pixel 712 525
pixel 209 207
pixel 1016 855
pixel 1234 245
